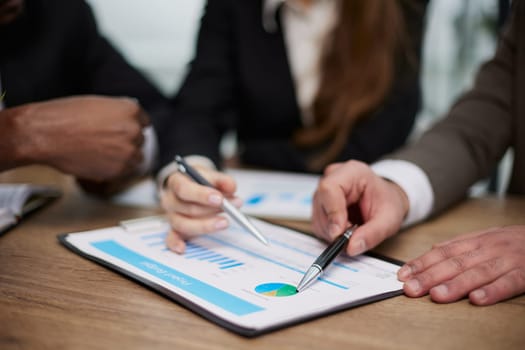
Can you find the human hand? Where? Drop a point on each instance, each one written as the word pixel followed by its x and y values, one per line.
pixel 488 266
pixel 91 137
pixel 194 209
pixel 352 193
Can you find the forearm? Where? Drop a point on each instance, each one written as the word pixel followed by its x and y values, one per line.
pixel 15 149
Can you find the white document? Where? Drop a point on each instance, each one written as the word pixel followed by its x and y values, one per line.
pixel 17 200
pixel 232 279
pixel 275 194
pixel 14 197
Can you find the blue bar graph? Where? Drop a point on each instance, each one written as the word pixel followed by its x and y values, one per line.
pixel 230 266
pixel 196 251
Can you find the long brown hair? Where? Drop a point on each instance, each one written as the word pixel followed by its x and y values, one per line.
pixel 357 69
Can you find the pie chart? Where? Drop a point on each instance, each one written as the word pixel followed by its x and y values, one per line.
pixel 276 289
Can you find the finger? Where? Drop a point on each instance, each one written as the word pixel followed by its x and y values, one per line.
pixel 121 167
pixel 332 167
pixel 505 287
pixel 219 180
pixel 136 110
pixel 222 182
pixel 143 118
pixel 236 201
pixel 133 162
pixel 171 204
pixel 186 190
pixel 332 205
pixel 188 227
pixel 138 139
pixel 447 270
pixel 189 209
pixel 463 237
pixel 319 219
pixel 175 243
pixel 372 233
pixel 435 256
pixel 469 280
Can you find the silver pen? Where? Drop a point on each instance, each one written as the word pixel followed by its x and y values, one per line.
pixel 227 206
pixel 326 257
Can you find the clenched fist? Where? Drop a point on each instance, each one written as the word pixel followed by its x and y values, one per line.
pixel 91 137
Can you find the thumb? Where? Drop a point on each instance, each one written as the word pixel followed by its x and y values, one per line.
pixel 381 224
pixel 366 237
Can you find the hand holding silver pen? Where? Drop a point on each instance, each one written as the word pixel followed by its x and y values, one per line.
pixel 227 206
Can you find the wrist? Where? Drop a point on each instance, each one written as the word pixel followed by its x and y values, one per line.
pixel 401 196
pixel 30 147
pixel 414 183
pixel 16 148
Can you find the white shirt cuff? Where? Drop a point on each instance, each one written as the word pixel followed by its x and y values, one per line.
pixel 172 167
pixel 415 184
pixel 150 150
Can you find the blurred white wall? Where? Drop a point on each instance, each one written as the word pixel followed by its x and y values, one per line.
pixel 459 37
pixel 156 36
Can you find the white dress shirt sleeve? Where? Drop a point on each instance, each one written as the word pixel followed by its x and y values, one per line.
pixel 415 184
pixel 150 150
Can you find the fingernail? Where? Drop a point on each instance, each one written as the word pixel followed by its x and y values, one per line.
pixel 334 230
pixel 413 285
pixel 478 295
pixel 215 199
pixel 359 247
pixel 441 290
pixel 221 224
pixel 237 202
pixel 178 247
pixel 405 272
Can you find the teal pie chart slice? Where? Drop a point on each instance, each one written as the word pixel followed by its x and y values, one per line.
pixel 276 289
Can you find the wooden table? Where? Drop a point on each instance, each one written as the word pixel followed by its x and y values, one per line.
pixel 51 298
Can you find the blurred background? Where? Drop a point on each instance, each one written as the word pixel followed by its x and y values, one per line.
pixel 158 38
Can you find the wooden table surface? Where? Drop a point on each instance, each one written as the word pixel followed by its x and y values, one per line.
pixel 51 298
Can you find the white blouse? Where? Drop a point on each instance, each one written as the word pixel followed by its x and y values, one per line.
pixel 306 30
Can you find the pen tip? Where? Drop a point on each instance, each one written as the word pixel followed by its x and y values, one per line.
pixel 263 239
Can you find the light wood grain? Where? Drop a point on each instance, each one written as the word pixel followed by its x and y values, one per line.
pixel 51 298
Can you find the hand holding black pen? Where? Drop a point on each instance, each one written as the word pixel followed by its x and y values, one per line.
pixel 326 257
pixel 228 207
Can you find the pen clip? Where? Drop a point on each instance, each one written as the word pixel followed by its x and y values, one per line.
pixel 180 164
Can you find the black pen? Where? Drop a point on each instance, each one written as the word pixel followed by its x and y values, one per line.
pixel 326 257
pixel 226 205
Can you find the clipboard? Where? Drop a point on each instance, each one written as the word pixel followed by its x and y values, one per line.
pixel 232 280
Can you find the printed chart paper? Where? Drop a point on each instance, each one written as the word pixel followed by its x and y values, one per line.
pixel 275 194
pixel 235 280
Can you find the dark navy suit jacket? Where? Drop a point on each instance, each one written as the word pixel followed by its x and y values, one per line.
pixel 240 79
